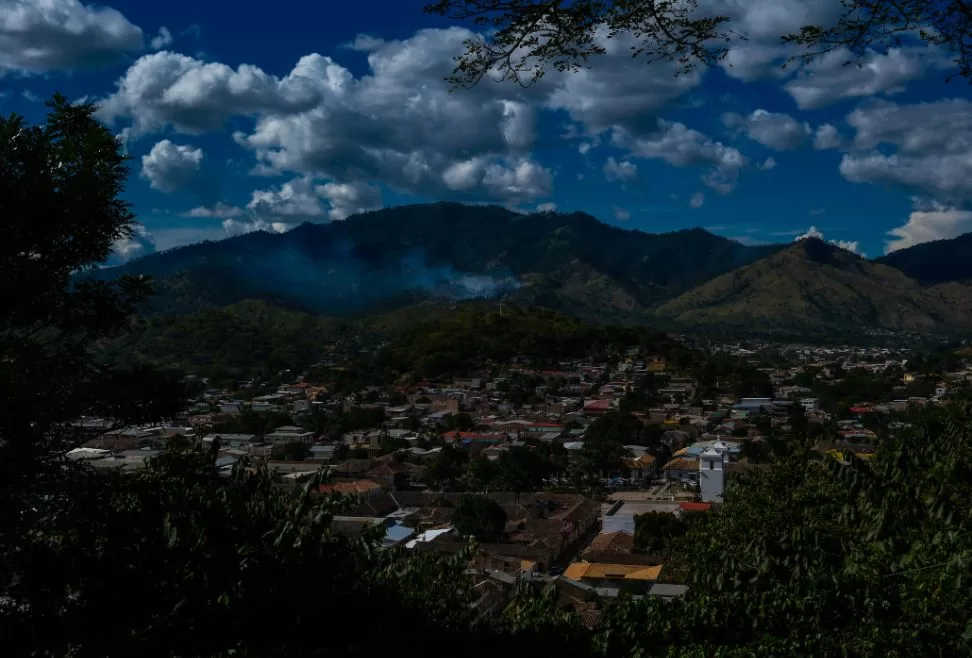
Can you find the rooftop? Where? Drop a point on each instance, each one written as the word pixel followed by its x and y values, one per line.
pixel 606 571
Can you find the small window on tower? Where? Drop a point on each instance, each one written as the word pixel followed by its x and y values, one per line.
pixel 711 465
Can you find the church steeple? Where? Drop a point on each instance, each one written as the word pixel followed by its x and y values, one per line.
pixel 712 474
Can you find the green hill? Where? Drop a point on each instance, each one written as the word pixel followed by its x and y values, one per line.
pixel 815 287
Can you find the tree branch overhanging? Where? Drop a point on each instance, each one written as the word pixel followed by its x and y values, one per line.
pixel 522 39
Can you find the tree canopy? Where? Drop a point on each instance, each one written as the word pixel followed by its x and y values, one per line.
pixel 177 559
pixel 604 442
pixel 479 517
pixel 525 38
pixel 655 531
pixel 60 186
pixel 522 469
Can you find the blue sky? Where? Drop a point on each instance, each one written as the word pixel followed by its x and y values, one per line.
pixel 243 120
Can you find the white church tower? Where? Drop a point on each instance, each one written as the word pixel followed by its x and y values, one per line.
pixel 712 475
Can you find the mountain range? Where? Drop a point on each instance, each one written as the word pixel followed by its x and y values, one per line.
pixel 444 253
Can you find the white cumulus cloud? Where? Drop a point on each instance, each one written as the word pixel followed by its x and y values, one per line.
pixel 162 39
pixel 852 246
pixel 923 147
pixel 762 22
pixel 827 137
pixel 349 198
pixel 623 170
pixel 37 36
pixel 622 214
pixel 299 200
pixel 768 163
pixel 681 146
pixel 839 75
pixel 238 227
pixel 218 211
pixel 171 167
pixel 398 125
pixel 780 132
pixel 933 222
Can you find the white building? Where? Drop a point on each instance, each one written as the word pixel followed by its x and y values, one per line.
pixel 712 473
pixel 288 434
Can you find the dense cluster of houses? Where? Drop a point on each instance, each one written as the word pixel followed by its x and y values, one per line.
pixel 588 544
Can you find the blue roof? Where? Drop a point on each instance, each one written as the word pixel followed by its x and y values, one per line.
pixel 397 533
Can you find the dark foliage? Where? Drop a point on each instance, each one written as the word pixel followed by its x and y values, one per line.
pixel 522 469
pixel 938 261
pixel 655 532
pixel 244 339
pixel 479 517
pixel 59 196
pixel 469 339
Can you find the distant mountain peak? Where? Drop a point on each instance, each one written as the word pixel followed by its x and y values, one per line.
pixel 816 286
pixel 816 250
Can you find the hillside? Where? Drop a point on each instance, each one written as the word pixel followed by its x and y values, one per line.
pixel 400 256
pixel 428 339
pixel 471 336
pixel 241 338
pixel 930 263
pixel 815 287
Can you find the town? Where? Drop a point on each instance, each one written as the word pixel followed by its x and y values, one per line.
pixel 577 478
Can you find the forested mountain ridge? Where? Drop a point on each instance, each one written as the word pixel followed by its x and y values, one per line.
pixel 426 256
pixel 938 261
pixel 570 262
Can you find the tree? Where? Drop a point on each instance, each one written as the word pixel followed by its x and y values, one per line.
pixel 132 563
pixel 801 549
pixel 655 531
pixel 480 473
pixel 640 399
pixel 447 468
pixel 179 442
pixel 59 196
pixel 461 422
pixel 799 423
pixel 525 38
pixel 296 451
pixel 60 183
pixel 598 456
pixel 618 426
pixel 522 469
pixel 253 422
pixel 479 517
pixel 390 444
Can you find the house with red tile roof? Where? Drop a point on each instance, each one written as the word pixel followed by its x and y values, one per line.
pixel 597 407
pixel 689 506
pixel 361 489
